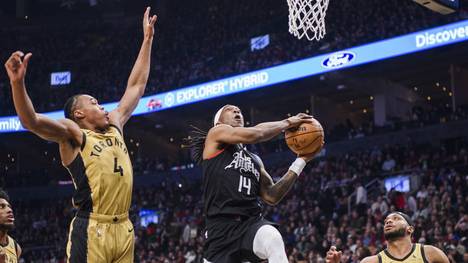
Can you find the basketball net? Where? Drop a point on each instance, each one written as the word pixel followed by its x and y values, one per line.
pixel 307 18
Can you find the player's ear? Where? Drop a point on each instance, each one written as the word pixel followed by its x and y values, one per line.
pixel 410 230
pixel 78 114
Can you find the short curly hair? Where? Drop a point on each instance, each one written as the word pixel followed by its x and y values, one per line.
pixel 70 106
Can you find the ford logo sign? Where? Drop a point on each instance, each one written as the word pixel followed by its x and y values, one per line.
pixel 338 60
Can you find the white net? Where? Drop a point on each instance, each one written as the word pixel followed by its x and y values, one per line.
pixel 307 18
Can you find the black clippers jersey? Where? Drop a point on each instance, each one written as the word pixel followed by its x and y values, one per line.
pixel 231 183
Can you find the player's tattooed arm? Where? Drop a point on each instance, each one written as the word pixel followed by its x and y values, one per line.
pixel 270 192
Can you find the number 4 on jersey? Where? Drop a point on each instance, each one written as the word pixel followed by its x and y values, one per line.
pixel 117 168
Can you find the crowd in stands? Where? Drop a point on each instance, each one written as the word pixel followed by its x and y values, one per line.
pixel 146 165
pixel 197 43
pixel 417 118
pixel 313 216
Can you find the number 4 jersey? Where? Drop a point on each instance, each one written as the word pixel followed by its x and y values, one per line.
pixel 102 173
pixel 231 183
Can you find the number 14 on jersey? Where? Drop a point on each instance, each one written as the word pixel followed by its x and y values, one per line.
pixel 244 183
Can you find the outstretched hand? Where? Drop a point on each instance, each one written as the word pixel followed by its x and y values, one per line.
pixel 17 65
pixel 333 256
pixel 148 23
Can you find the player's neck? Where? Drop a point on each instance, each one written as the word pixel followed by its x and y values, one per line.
pixel 399 248
pixel 89 126
pixel 3 237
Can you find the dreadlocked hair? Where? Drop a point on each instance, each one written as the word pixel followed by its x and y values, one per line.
pixel 196 143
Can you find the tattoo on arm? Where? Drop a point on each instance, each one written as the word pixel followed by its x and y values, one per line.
pixel 274 192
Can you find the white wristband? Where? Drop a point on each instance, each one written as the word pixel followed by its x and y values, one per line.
pixel 297 166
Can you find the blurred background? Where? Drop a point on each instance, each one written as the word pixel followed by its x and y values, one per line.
pixel 395 129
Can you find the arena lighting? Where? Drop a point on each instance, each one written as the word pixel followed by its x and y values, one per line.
pixel 384 49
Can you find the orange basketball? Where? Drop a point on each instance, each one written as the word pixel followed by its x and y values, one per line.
pixel 305 139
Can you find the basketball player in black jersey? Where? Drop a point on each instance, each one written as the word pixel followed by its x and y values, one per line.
pixel 234 179
pixel 398 228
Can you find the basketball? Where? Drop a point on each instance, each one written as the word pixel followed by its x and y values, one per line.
pixel 305 139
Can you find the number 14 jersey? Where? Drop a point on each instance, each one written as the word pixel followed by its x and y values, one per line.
pixel 231 183
pixel 102 173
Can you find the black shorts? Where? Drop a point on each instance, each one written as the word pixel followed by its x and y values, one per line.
pixel 229 239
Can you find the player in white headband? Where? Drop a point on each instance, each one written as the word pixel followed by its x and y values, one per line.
pixel 218 115
pixel 234 179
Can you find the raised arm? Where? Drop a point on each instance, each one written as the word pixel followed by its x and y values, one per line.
pixel 49 129
pixel 138 77
pixel 225 134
